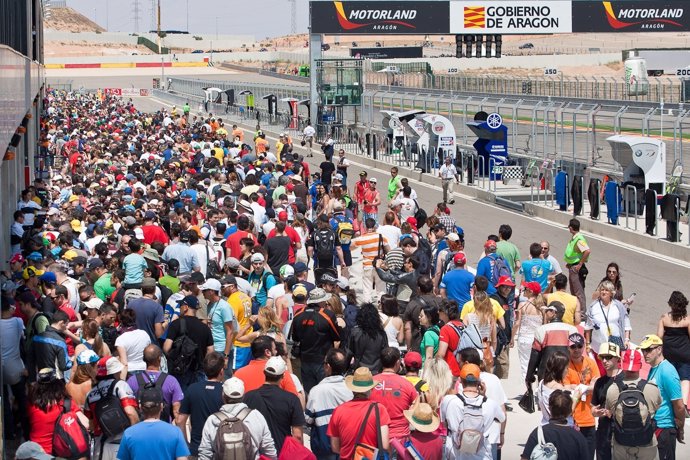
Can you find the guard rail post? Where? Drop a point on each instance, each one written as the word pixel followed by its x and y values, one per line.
pixel 482 170
pixel 492 174
pixel 627 205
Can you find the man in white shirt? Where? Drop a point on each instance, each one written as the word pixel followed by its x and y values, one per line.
pixel 447 173
pixel 308 136
pixel 408 205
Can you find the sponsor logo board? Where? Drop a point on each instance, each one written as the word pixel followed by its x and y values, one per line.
pixel 631 16
pixel 511 17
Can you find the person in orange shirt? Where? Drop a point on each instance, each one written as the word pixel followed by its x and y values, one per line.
pixel 583 371
pixel 261 144
pixel 262 348
pixel 237 132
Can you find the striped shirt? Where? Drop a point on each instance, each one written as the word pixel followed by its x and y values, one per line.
pixel 369 244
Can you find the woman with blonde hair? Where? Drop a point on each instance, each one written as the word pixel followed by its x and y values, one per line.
pixel 269 324
pixel 484 314
pixel 439 378
pixel 91 340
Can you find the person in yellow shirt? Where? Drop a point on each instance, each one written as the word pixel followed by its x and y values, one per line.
pixel 573 309
pixel 218 152
pixel 241 305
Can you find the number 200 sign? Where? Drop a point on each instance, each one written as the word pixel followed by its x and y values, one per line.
pixel 683 72
pixel 550 71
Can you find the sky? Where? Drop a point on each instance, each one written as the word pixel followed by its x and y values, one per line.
pixel 261 18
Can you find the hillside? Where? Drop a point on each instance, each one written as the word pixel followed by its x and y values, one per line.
pixel 68 20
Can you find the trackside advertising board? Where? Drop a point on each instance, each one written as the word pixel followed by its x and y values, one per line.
pixel 373 17
pixel 511 17
pixel 400 52
pixel 631 16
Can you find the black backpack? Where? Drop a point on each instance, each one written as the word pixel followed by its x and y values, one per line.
pixel 633 425
pixel 148 383
pixel 420 215
pixel 424 251
pixel 110 414
pixel 183 356
pixel 324 242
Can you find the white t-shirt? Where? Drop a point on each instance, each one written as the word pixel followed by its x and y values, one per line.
pixel 391 233
pixel 200 250
pixel 276 291
pixel 408 208
pixel 494 392
pixel 309 131
pixel 452 414
pixel 134 342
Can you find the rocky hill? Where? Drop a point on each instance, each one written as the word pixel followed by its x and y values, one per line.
pixel 68 20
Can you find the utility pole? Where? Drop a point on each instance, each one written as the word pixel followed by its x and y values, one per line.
pixel 158 26
pixel 293 16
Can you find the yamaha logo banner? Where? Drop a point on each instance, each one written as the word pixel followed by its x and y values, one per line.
pixel 397 18
pixel 631 16
pixel 511 17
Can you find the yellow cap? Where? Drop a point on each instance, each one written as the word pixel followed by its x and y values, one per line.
pixel 650 341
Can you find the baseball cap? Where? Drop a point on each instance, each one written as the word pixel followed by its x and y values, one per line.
pixel 36 256
pixel 17 258
pixel 632 360
pixel 232 262
pixel 489 244
pixel 148 282
pixel 129 220
pixel 286 270
pixel 211 284
pixel 257 257
pixel 94 304
pixel 233 388
pixel 48 277
pixel 30 272
pixel 412 221
pixel 650 341
pixel 95 263
pixel 228 280
pixel 328 278
pixel 533 286
pixel 149 215
pixel 275 366
pixel 31 451
pixel 576 339
pixel 459 258
pixel 373 179
pixel 150 396
pixel 191 301
pixel 87 357
pixel 343 283
pixel 109 365
pixel 609 349
pixel 300 267
pixel 505 281
pixel 470 373
pixel 413 360
pixel 453 237
pixel 362 173
pixel 299 291
pixel 283 216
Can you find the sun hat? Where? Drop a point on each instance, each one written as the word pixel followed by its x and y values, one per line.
pixel 318 295
pixel 422 418
pixel 361 381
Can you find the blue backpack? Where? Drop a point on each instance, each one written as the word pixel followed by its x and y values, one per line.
pixel 499 268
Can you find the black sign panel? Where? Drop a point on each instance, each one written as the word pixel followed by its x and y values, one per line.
pixel 635 16
pixel 388 53
pixel 373 17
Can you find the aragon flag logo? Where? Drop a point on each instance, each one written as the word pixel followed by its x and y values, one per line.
pixel 474 17
pixel 346 24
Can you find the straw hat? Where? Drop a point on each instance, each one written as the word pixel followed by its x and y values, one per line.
pixel 422 418
pixel 361 381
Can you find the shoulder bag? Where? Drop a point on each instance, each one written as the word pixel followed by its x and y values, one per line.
pixel 365 451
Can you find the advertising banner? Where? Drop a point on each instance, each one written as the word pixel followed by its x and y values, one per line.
pixel 374 17
pixel 113 91
pixel 631 16
pixel 510 17
pixel 387 53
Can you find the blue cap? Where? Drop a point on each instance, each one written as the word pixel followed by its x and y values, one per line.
pixel 48 277
pixel 191 301
pixel 87 357
pixel 300 267
pixel 128 190
pixel 35 256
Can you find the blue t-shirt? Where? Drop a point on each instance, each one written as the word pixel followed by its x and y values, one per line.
pixel 134 265
pixel 537 270
pixel 485 268
pixel 153 441
pixel 262 284
pixel 229 231
pixel 219 313
pixel 665 376
pixel 457 283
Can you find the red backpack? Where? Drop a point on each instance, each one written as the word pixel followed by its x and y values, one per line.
pixel 70 438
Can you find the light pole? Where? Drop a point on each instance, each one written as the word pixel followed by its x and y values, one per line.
pixel 187 15
pixel 216 27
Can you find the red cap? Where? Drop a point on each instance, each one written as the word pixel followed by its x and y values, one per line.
pixel 290 187
pixel 632 360
pixel 101 367
pixel 283 216
pixel 119 177
pixel 459 258
pixel 505 281
pixel 413 360
pixel 533 286
pixel 17 258
pixel 489 243
pixel 412 221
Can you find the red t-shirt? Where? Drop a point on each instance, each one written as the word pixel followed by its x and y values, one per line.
pixel 397 394
pixel 154 233
pixel 233 243
pixel 294 239
pixel 448 335
pixel 43 423
pixel 72 317
pixel 346 421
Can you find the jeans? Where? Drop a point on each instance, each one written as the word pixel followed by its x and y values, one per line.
pixel 589 433
pixel 603 439
pixel 312 374
pixel 20 397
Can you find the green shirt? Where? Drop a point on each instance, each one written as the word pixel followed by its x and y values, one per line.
pixel 430 339
pixel 102 288
pixel 393 186
pixel 171 283
pixel 509 252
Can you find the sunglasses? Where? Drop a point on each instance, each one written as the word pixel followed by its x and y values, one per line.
pixel 576 347
pixel 649 350
pixel 606 357
pixel 611 271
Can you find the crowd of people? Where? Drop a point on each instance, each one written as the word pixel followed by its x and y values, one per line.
pixel 181 288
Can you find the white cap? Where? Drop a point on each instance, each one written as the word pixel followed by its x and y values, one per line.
pixel 286 270
pixel 258 257
pixel 343 283
pixel 212 284
pixel 94 303
pixel 275 366
pixel 113 366
pixel 233 388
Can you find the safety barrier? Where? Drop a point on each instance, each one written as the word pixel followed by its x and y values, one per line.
pixel 628 204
